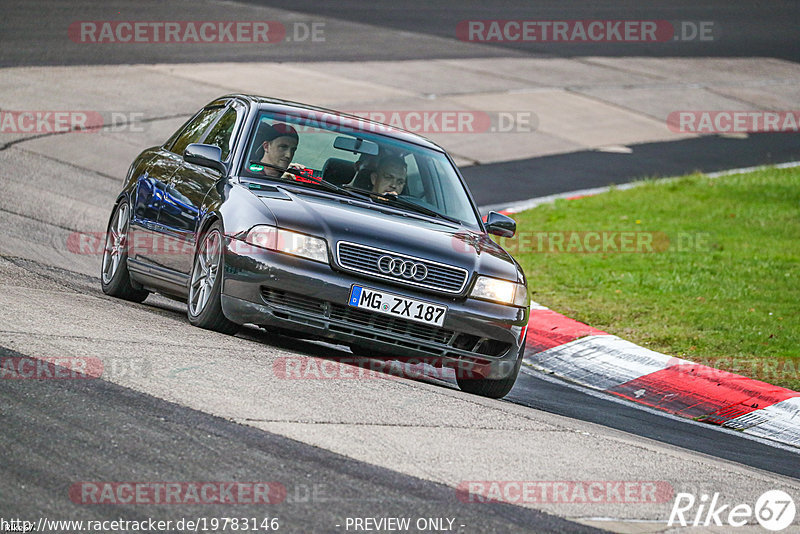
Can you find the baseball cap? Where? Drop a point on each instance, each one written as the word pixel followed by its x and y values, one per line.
pixel 268 132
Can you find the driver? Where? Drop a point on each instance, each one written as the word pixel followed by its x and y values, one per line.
pixel 279 145
pixel 390 176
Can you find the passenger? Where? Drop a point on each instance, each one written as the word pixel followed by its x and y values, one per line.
pixel 390 176
pixel 279 145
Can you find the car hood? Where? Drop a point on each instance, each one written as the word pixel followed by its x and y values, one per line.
pixel 338 218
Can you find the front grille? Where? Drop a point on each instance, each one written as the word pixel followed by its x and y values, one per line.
pixel 363 259
pixel 379 327
pixel 390 325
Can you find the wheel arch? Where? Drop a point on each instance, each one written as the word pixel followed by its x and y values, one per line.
pixel 210 218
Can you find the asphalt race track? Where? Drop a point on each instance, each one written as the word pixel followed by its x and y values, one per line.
pixel 769 30
pixel 179 404
pixel 574 171
pixel 170 442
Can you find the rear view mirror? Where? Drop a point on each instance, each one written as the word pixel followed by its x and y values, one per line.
pixel 499 224
pixel 356 145
pixel 206 156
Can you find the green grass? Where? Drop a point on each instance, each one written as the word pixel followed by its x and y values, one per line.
pixel 732 301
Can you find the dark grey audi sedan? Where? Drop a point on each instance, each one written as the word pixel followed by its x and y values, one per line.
pixel 305 220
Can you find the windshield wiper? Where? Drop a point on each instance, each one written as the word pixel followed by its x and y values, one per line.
pixel 330 186
pixel 400 201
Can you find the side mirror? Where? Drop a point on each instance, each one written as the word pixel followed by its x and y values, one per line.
pixel 206 156
pixel 499 224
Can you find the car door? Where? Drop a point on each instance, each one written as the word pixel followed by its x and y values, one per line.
pixel 148 249
pixel 146 203
pixel 182 208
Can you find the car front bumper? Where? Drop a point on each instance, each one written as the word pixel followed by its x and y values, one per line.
pixel 271 289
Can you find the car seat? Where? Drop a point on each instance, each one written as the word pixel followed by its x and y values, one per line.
pixel 338 171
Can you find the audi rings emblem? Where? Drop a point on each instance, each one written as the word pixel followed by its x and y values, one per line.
pixel 407 269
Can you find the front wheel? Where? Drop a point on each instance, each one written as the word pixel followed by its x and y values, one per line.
pixel 114 276
pixel 205 289
pixel 494 389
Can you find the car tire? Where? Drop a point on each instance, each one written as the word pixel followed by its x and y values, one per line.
pixel 494 389
pixel 205 283
pixel 114 276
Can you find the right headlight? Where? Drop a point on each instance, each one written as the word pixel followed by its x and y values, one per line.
pixel 288 242
pixel 501 291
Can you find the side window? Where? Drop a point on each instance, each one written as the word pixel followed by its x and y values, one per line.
pixel 220 134
pixel 194 130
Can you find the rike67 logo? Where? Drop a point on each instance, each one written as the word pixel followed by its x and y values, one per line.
pixel 774 510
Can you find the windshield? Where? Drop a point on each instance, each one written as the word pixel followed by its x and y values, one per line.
pixel 354 155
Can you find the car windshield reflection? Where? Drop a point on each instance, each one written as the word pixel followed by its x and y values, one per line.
pixel 342 154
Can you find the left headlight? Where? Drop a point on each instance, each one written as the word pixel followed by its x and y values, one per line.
pixel 288 242
pixel 501 291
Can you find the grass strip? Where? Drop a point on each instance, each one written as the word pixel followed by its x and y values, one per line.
pixel 706 269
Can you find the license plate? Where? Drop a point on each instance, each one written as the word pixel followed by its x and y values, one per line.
pixel 397 306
